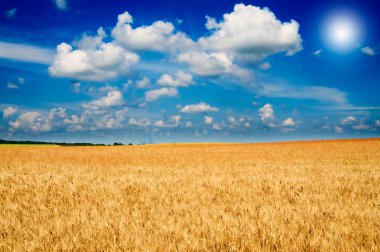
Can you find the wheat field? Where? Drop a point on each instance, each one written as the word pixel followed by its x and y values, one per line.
pixel 296 196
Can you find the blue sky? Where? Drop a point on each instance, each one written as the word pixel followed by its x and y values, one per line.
pixel 199 71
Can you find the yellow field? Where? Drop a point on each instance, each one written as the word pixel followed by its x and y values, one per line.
pixel 301 196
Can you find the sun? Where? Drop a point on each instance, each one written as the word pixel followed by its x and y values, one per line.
pixel 342 31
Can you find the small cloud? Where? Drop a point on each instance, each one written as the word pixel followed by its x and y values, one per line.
pixel 140 123
pixel 377 123
pixel 265 66
pixel 361 126
pixel 153 95
pixel 76 87
pixel 143 83
pixel 188 125
pixel 208 119
pixel 288 122
pixel 198 108
pixel 113 98
pixel 267 115
pixel 21 80
pixel 11 85
pixel 61 4
pixel 368 50
pixel 317 52
pixel 11 13
pixel 181 79
pixel 9 111
pixel 348 120
pixel 338 129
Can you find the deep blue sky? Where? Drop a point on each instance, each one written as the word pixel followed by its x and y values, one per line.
pixel 255 75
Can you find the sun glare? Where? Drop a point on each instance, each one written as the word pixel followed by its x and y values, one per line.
pixel 342 32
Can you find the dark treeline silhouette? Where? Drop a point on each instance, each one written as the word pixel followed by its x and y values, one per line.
pixel 54 143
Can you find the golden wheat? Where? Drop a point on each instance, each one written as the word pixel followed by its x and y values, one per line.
pixel 300 196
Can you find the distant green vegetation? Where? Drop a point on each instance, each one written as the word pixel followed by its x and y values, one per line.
pixel 29 143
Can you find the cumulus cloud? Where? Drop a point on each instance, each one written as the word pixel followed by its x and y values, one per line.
pixel 181 79
pixel 267 115
pixel 9 111
pixel 93 60
pixel 218 126
pixel 213 64
pixel 139 123
pixel 27 53
pixel 143 83
pixel 288 122
pixel 153 95
pixel 113 98
pixel 338 129
pixel 252 33
pixel 159 36
pixel 31 122
pixel 198 108
pixel 348 120
pixel 172 123
pixel 208 119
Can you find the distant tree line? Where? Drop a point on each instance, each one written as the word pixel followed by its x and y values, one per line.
pixel 60 144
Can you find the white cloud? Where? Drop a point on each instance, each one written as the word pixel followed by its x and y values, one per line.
pixel 11 13
pixel 61 4
pixel 105 61
pixel 76 87
pixel 21 80
pixel 93 59
pixel 159 36
pixel 153 95
pixel 267 114
pixel 319 93
pixel 139 123
pixel 198 108
pixel 218 126
pixel 317 52
pixel 368 50
pixel 9 111
pixel 12 85
pixel 188 124
pixel 143 83
pixel 57 113
pixel 338 129
pixel 181 79
pixel 288 122
pixel 212 64
pixel 247 125
pixel 173 122
pixel 361 126
pixel 113 98
pixel 377 123
pixel 208 119
pixel 348 120
pixel 252 33
pixel 265 66
pixel 27 53
pixel 31 121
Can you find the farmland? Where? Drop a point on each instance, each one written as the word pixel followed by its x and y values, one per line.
pixel 295 196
